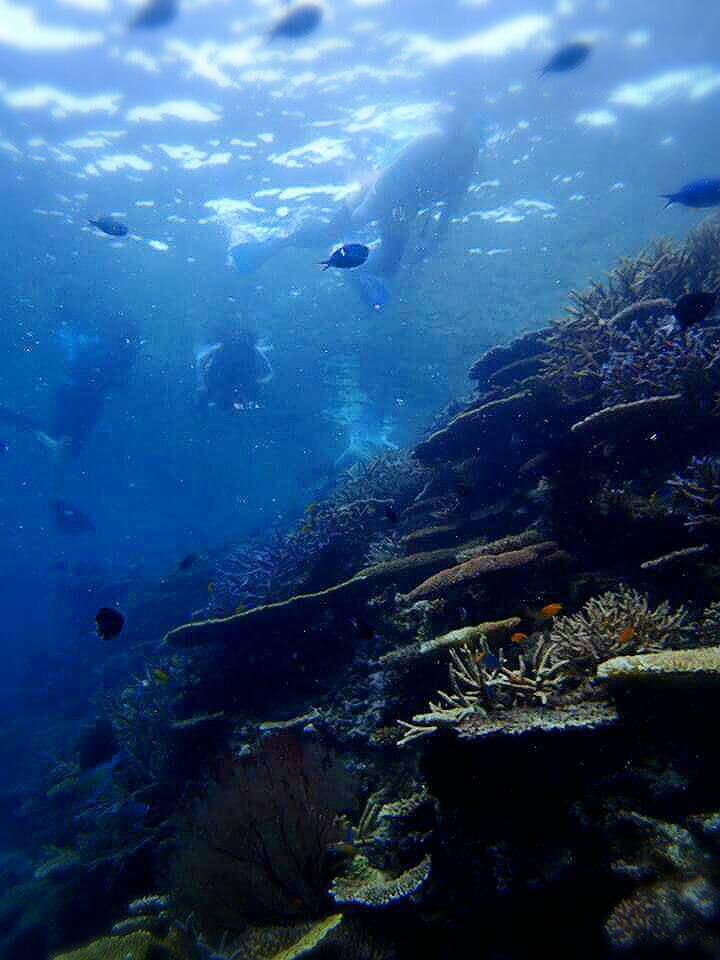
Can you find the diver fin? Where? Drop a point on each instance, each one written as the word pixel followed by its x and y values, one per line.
pixel 60 447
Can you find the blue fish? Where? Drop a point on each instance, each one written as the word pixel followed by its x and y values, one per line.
pixel 699 193
pixel 567 58
pixel 347 257
pixel 298 22
pixel 155 13
pixel 371 290
pixel 110 226
pixel 491 662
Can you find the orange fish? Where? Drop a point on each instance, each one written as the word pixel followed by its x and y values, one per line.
pixel 519 637
pixel 627 634
pixel 549 611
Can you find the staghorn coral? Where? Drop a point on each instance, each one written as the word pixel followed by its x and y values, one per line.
pixel 616 622
pixel 345 523
pixel 556 663
pixel 482 683
pixel 649 362
pixel 710 625
pixel 696 493
pixel 638 290
pixel 385 547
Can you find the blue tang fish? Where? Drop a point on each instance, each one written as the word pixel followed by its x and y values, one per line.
pixel 298 22
pixel 347 257
pixel 155 13
pixel 567 58
pixel 110 226
pixel 699 193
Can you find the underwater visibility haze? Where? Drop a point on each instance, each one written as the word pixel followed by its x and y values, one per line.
pixel 360 463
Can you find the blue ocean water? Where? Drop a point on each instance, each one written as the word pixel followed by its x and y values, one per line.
pixel 214 146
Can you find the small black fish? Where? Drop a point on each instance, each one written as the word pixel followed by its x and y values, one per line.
pixel 155 13
pixel 188 562
pixel 298 22
pixel 109 623
pixel 693 308
pixel 362 628
pixel 567 58
pixel 69 519
pixel 347 257
pixel 110 226
pixel 699 193
pixel 391 514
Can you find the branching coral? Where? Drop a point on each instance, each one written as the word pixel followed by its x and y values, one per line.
pixel 710 625
pixel 142 715
pixel 610 347
pixel 556 663
pixel 481 683
pixel 654 361
pixel 387 547
pixel 696 493
pixel 616 622
pixel 351 518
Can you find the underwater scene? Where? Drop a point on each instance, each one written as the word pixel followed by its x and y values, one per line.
pixel 360 462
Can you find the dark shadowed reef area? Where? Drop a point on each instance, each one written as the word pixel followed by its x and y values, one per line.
pixel 369 612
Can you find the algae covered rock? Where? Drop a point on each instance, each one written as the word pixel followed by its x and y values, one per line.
pixel 308 944
pixel 537 721
pixel 363 885
pixel 298 612
pixel 625 421
pixel 699 668
pixel 494 630
pixel 666 915
pixel 140 945
pixel 489 567
pixel 467 432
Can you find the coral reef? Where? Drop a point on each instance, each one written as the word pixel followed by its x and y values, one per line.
pixel 543 571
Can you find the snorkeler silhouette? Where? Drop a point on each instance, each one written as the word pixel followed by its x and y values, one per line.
pixel 96 367
pixel 430 176
pixel 231 371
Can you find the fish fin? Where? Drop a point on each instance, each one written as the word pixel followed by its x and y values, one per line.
pixel 670 197
pixel 325 264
